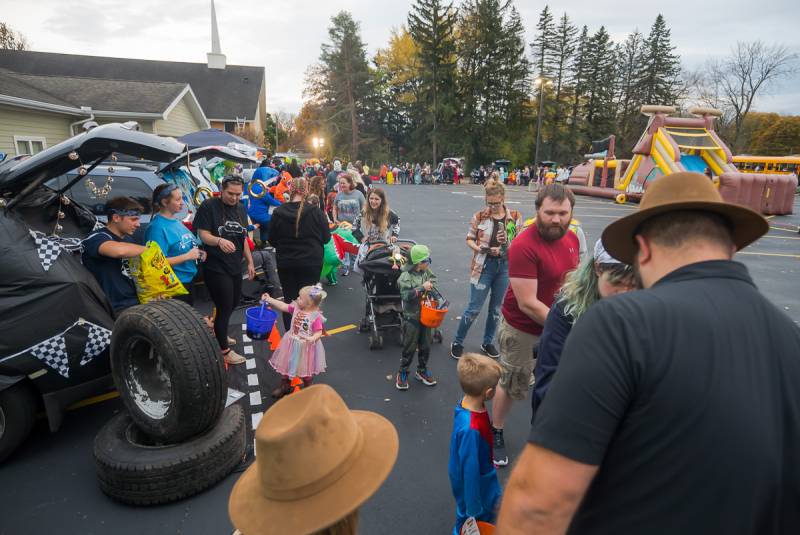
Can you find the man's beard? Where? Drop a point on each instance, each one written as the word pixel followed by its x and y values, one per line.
pixel 552 232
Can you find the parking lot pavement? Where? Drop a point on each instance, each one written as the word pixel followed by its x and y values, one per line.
pixel 50 486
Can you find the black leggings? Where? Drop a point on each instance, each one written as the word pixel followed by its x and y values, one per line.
pixel 294 278
pixel 225 291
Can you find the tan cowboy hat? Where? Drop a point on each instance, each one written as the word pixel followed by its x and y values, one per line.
pixel 316 462
pixel 681 191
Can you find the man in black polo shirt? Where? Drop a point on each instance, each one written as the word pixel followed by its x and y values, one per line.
pixel 675 409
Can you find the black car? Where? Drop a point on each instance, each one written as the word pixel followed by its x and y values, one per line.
pixel 55 319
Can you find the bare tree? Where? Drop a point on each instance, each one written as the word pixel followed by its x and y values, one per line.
pixel 734 82
pixel 12 40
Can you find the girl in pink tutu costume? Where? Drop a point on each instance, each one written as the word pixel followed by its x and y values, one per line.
pixel 300 353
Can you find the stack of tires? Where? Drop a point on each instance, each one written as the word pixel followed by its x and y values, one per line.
pixel 176 438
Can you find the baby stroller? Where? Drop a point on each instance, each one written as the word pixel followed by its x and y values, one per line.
pixel 383 309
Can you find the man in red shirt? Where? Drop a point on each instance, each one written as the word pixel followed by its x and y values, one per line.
pixel 538 259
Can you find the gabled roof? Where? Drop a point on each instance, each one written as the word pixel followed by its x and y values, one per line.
pixel 223 93
pixel 100 95
pixel 103 98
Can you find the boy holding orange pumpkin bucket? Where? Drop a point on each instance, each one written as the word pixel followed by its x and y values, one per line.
pixel 415 283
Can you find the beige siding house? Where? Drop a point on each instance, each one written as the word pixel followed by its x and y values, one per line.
pixel 232 97
pixel 37 111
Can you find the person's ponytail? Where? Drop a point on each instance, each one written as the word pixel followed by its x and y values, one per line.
pixel 299 187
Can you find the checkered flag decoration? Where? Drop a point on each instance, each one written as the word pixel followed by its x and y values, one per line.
pixel 48 248
pixel 98 339
pixel 53 352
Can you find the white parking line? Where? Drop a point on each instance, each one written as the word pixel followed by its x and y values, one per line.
pixel 252 379
pixel 256 419
pixel 255 398
pixel 248 350
pixel 250 364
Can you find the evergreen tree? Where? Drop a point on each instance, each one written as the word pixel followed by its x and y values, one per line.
pixel 658 74
pixel 494 75
pixel 432 26
pixel 341 83
pixel 599 107
pixel 542 45
pixel 629 120
pixel 564 46
pixel 579 72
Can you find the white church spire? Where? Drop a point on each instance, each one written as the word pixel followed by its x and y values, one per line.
pixel 216 59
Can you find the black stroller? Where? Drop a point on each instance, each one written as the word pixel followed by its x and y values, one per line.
pixel 383 309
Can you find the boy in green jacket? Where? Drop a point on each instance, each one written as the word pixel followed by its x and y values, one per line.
pixel 416 279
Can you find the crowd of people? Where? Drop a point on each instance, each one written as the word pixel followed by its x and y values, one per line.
pixel 662 381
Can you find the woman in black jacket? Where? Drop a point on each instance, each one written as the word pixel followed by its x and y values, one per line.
pixel 298 231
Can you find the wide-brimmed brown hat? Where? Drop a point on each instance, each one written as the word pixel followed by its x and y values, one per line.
pixel 316 462
pixel 682 191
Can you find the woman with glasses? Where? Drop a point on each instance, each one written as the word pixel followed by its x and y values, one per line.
pixel 177 242
pixel 221 224
pixel 490 233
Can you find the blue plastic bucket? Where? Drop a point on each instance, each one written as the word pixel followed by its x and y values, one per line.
pixel 259 322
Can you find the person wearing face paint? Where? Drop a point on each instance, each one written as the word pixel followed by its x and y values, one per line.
pixel 597 277
pixel 221 224
pixel 106 252
pixel 538 259
pixel 177 242
pixel 489 237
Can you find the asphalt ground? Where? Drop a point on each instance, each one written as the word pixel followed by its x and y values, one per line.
pixel 49 486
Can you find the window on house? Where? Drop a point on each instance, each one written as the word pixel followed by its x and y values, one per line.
pixel 29 145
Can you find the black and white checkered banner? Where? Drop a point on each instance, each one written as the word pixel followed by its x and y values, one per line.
pixel 53 351
pixel 48 248
pixel 98 339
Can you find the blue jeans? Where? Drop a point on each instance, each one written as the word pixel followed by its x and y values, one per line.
pixel 494 279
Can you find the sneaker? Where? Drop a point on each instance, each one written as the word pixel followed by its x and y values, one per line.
pixel 490 350
pixel 232 357
pixel 456 350
pixel 425 376
pixel 499 447
pixel 231 341
pixel 345 271
pixel 401 382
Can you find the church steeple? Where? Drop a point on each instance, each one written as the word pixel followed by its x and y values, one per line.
pixel 216 59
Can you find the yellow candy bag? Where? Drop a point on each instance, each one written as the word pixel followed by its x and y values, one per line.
pixel 153 275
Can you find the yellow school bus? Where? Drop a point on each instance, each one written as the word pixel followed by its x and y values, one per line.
pixel 771 165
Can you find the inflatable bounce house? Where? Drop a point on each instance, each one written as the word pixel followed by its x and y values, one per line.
pixel 672 144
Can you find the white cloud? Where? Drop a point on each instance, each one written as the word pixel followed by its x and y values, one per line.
pixel 285 35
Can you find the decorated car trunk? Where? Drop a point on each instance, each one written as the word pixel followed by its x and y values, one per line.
pixel 55 319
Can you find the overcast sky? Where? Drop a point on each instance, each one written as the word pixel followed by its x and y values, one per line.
pixel 285 35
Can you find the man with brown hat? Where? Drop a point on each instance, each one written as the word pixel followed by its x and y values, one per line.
pixel 316 463
pixel 675 409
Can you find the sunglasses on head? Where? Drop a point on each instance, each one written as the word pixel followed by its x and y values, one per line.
pixel 232 180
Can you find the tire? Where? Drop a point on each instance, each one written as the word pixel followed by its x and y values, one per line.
pixel 364 326
pixel 132 469
pixel 375 341
pixel 168 369
pixel 17 415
